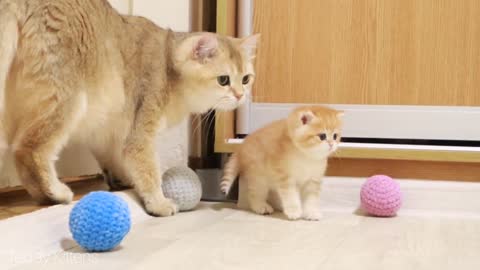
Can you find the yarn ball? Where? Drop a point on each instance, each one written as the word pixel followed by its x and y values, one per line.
pixel 182 185
pixel 100 221
pixel 381 196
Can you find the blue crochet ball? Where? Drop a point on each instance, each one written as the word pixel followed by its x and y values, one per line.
pixel 100 221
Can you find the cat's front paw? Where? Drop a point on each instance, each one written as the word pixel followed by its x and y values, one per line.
pixel 293 213
pixel 312 215
pixel 59 193
pixel 161 207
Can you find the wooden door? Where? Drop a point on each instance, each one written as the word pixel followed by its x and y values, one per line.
pixel 409 52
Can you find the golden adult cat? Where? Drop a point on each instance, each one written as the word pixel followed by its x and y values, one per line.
pixel 76 69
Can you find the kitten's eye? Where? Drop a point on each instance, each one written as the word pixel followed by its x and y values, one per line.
pixel 335 136
pixel 223 80
pixel 246 79
pixel 322 136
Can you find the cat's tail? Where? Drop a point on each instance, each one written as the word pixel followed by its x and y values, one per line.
pixel 8 42
pixel 230 173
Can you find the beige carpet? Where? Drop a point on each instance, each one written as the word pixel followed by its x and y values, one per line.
pixel 437 228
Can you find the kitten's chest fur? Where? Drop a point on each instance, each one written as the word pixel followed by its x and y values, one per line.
pixel 304 169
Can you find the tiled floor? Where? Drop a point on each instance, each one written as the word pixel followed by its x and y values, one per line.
pixel 19 202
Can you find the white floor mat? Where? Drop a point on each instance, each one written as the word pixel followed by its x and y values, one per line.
pixel 438 227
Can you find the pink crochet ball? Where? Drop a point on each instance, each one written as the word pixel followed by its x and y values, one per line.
pixel 381 196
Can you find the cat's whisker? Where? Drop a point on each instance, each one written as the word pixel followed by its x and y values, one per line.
pixel 221 101
pixel 209 125
pixel 199 124
pixel 198 119
pixel 210 120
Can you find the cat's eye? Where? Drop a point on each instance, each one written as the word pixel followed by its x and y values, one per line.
pixel 322 136
pixel 335 136
pixel 246 79
pixel 223 80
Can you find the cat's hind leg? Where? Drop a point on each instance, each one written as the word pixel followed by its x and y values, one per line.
pixel 114 183
pixel 106 158
pixel 258 190
pixel 40 136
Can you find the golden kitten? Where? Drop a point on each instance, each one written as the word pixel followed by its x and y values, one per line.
pixel 76 69
pixel 287 157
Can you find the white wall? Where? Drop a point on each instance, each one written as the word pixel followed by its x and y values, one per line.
pixel 121 6
pixel 174 14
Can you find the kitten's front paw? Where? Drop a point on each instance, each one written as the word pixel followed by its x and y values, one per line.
pixel 312 215
pixel 262 209
pixel 60 193
pixel 161 207
pixel 293 213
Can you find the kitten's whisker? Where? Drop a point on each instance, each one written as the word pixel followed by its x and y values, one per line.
pixel 336 155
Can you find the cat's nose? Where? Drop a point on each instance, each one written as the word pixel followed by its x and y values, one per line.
pixel 238 95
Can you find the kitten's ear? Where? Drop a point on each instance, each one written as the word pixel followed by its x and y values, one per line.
pixel 340 114
pixel 306 117
pixel 204 47
pixel 249 44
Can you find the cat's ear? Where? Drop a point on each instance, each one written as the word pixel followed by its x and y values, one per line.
pixel 249 44
pixel 306 117
pixel 204 47
pixel 340 114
